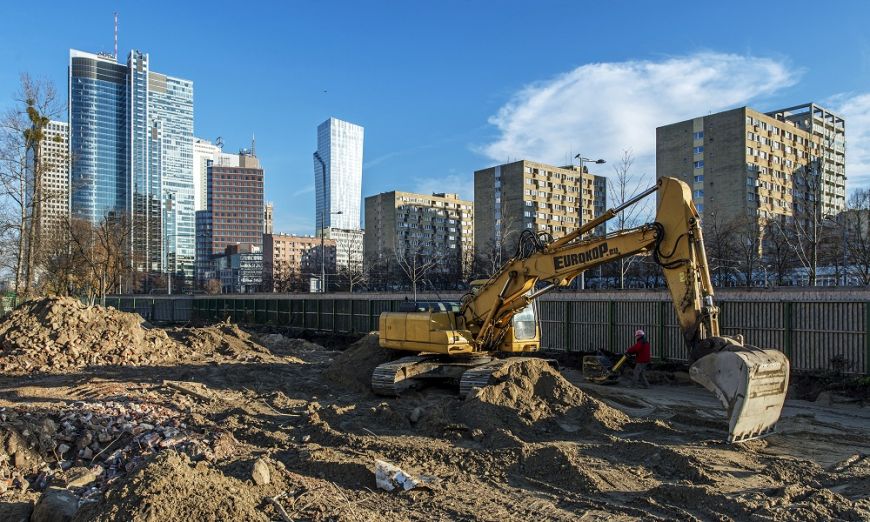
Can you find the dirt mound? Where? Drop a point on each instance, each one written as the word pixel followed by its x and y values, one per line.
pixel 61 333
pixel 530 397
pixel 170 488
pixel 353 367
pixel 223 341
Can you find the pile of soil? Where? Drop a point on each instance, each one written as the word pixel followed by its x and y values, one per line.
pixel 172 488
pixel 530 397
pixel 353 367
pixel 223 341
pixel 60 333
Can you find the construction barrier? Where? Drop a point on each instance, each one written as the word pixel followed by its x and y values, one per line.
pixel 816 335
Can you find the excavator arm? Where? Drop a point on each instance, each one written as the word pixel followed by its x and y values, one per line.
pixel 750 382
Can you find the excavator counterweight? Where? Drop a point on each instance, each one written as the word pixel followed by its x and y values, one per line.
pixel 463 340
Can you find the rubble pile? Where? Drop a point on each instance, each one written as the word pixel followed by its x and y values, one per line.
pixel 92 444
pixel 56 334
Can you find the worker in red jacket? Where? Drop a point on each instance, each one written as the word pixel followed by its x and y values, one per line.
pixel 641 351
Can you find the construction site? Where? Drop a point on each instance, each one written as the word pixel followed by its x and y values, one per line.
pixel 104 416
pixel 503 403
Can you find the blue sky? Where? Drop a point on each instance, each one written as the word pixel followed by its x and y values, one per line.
pixel 445 88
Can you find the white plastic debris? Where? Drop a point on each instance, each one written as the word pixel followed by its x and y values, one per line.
pixel 390 477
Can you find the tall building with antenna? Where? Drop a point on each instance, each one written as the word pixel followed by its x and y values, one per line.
pixel 131 142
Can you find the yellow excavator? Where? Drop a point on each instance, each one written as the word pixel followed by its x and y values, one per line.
pixel 468 341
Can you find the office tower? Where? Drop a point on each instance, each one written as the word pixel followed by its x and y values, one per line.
pixel 338 185
pixel 744 163
pixel 338 188
pixel 526 195
pixel 131 144
pixel 52 207
pixel 267 218
pixel 438 226
pixel 290 261
pixel 203 152
pixel 234 214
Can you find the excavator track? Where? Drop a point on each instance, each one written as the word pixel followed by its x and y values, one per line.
pixel 480 376
pixel 392 378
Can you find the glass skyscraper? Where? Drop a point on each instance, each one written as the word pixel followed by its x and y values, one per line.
pixel 340 148
pixel 131 143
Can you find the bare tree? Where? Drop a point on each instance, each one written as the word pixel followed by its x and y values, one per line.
pixel 22 167
pixel 101 248
pixel 805 231
pixel 856 223
pixel 778 255
pixel 414 262
pixel 719 242
pixel 625 185
pixel 746 241
pixel 356 272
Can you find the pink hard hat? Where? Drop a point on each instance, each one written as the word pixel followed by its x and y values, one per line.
pixel 639 333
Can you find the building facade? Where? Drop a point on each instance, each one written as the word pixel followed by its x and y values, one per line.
pixel 290 261
pixel 437 226
pixel 52 207
pixel 131 144
pixel 267 217
pixel 204 151
pixel 348 247
pixel 743 163
pixel 239 269
pixel 526 195
pixel 234 214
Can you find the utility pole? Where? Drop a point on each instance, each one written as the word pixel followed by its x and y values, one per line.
pixel 580 202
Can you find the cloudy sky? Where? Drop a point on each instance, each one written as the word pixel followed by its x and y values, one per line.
pixel 445 88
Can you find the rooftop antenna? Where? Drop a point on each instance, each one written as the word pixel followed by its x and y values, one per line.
pixel 253 145
pixel 116 35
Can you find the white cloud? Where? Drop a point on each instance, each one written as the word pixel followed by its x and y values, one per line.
pixel 855 109
pixel 304 190
pixel 601 109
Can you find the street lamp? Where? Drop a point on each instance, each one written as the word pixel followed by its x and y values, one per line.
pixel 323 222
pixel 580 201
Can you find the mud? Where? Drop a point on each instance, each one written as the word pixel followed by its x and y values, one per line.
pixel 536 445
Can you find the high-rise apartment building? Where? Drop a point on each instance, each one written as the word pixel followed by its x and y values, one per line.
pixel 204 151
pixel 338 185
pixel 526 195
pixel 52 207
pixel 743 162
pixel 267 217
pixel 438 226
pixel 131 141
pixel 234 214
pixel 289 261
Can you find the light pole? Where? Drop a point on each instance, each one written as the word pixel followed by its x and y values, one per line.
pixel 322 221
pixel 580 202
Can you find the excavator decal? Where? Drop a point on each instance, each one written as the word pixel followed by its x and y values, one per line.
pixel 569 260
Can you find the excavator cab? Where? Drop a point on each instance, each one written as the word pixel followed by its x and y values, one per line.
pixel 524 334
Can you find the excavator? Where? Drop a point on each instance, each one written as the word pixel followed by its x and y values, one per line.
pixel 470 340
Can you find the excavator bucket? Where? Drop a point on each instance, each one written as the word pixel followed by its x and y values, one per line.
pixel 751 383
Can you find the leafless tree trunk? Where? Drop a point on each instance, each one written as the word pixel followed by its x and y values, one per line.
pixel 806 230
pixel 22 167
pixel 777 253
pixel 747 245
pixel 623 186
pixel 101 248
pixel 414 264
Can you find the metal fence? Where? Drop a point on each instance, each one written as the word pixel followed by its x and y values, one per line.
pixel 816 335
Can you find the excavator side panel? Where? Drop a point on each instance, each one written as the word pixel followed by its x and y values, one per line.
pixel 429 332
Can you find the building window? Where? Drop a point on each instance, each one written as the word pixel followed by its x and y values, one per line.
pixel 698 135
pixel 699 164
pixel 698 193
pixel 699 179
pixel 698 150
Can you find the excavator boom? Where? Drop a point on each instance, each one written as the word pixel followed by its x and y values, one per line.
pixel 750 382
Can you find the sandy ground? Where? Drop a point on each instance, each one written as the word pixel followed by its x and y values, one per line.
pixel 320 437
